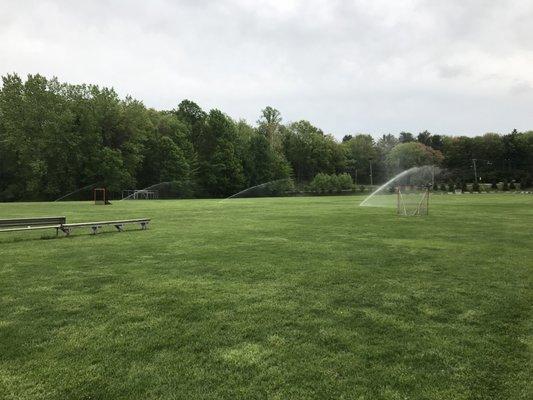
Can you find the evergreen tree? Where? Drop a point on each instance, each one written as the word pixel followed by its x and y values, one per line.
pixel 406 137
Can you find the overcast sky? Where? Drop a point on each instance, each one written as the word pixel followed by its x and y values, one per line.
pixel 376 66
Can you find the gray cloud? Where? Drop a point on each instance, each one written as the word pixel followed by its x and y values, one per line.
pixel 521 88
pixel 452 71
pixel 451 67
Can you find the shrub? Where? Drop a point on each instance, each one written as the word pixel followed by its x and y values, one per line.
pixel 345 182
pixel 362 188
pixel 332 183
pixel 494 185
pixel 324 183
pixel 464 188
pixel 475 187
pixel 512 185
pixel 320 183
pixel 443 187
pixel 280 187
pixel 451 187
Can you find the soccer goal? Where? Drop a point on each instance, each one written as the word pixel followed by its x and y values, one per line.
pixel 100 196
pixel 412 200
pixel 135 194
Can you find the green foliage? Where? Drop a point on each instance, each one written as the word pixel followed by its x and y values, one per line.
pixel 309 151
pixel 512 185
pixel 112 170
pixel 321 183
pixel 269 125
pixel 220 170
pixel 167 155
pixel 331 183
pixel 475 187
pixel 280 187
pixel 411 154
pixel 406 137
pixel 424 138
pixel 451 187
pixel 56 138
pixel 264 163
pixel 347 138
pixel 386 143
pixel 360 151
pixel 345 182
pixel 443 187
pixel 190 113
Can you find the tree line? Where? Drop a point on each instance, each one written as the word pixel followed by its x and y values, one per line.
pixel 57 137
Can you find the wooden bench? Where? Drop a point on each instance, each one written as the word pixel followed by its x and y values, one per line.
pixel 59 224
pixel 94 226
pixel 27 224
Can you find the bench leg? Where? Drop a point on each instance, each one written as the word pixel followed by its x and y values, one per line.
pixel 120 227
pixel 94 229
pixel 144 225
pixel 66 231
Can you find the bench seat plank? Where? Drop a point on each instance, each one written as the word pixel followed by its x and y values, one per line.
pixel 118 222
pixel 30 228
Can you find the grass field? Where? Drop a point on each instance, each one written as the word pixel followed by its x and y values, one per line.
pixel 293 298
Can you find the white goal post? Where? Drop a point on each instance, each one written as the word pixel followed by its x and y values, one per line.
pixel 412 200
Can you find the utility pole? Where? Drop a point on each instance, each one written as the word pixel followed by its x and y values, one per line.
pixel 371 180
pixel 475 169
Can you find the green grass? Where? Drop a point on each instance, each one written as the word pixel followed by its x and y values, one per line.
pixel 292 298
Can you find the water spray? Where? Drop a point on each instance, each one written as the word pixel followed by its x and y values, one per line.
pixel 76 191
pixel 422 176
pixel 252 188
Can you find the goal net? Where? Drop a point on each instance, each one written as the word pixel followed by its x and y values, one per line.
pixel 412 200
